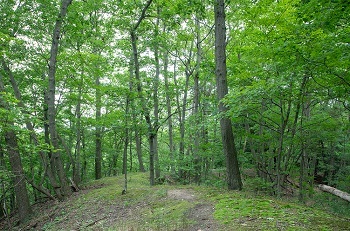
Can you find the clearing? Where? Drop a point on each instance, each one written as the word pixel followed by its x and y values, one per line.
pixel 101 206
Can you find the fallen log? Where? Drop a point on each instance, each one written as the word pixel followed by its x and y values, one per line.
pixel 334 191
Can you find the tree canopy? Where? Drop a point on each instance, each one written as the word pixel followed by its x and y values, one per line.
pixel 102 87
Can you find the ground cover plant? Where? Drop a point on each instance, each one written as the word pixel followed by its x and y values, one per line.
pixel 100 205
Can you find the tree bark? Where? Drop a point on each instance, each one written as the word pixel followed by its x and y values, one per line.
pixel 334 191
pixel 233 174
pixel 56 154
pixel 33 136
pixel 168 106
pixel 182 110
pixel 98 132
pixel 156 101
pixel 126 137
pixel 125 154
pixel 197 166
pixel 76 172
pixel 139 150
pixel 18 178
pixel 137 136
pixel 145 110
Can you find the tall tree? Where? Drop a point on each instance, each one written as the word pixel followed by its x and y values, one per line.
pixel 234 181
pixel 12 147
pixel 56 154
pixel 197 167
pixel 98 131
pixel 155 96
pixel 145 110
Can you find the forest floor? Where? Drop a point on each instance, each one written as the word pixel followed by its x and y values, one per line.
pixel 100 205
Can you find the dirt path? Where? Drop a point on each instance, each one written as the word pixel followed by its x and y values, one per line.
pixel 100 215
pixel 201 213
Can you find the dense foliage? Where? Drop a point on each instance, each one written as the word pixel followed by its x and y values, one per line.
pixel 135 89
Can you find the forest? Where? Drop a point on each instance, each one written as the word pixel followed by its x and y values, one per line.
pixel 203 92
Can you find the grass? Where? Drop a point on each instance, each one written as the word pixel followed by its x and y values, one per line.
pixel 249 210
pixel 271 214
pixel 101 206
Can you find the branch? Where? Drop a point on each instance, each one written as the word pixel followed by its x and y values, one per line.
pixel 143 15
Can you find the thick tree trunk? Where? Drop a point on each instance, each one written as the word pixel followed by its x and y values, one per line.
pixel 51 170
pixel 56 154
pixel 22 199
pixel 334 191
pixel 233 174
pixel 33 136
pixel 19 182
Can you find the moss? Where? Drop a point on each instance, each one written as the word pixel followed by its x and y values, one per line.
pixel 103 207
pixel 269 214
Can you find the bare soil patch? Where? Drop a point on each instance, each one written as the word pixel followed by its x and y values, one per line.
pixel 181 194
pixel 201 213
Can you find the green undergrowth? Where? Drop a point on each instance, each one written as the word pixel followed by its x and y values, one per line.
pixel 247 211
pixel 101 206
pixel 267 214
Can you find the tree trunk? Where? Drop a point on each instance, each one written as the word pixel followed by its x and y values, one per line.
pixel 56 154
pixel 18 178
pixel 98 133
pixel 137 135
pixel 3 205
pixel 262 161
pixel 182 111
pixel 126 137
pixel 125 158
pixel 33 136
pixel 168 106
pixel 19 182
pixel 334 191
pixel 51 170
pixel 145 110
pixel 156 101
pixel 151 159
pixel 139 150
pixel 76 173
pixel 181 142
pixel 197 166
pixel 84 157
pixel 304 154
pixel 233 174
